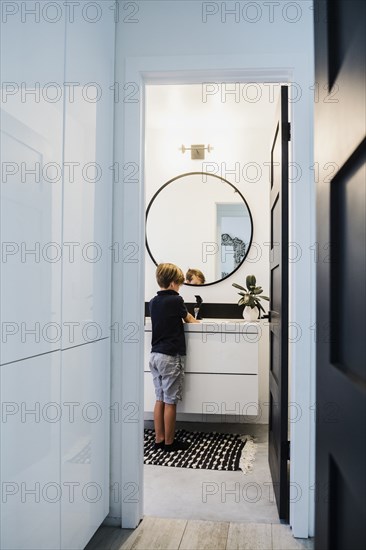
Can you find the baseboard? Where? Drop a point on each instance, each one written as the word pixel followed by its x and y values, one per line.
pixel 216 418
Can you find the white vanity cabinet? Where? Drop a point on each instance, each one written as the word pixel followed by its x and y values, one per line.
pixel 221 368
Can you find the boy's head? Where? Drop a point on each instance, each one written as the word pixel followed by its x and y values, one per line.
pixel 195 277
pixel 168 274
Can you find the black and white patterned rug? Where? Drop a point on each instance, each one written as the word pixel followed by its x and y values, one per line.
pixel 209 451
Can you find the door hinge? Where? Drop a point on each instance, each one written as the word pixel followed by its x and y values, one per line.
pixel 289 131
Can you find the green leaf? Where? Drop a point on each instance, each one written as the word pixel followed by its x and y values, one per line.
pixel 238 286
pixel 264 298
pixel 251 281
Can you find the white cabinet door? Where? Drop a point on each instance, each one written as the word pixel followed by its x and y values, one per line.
pixel 32 74
pixel 84 442
pixel 30 453
pixel 87 222
pixel 30 240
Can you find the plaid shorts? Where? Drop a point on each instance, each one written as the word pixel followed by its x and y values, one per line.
pixel 168 374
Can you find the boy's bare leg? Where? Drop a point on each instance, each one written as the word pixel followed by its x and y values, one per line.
pixel 159 421
pixel 170 413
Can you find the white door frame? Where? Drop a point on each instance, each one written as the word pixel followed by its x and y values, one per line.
pixel 128 272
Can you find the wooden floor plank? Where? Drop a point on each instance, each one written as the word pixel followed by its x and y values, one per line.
pixel 108 538
pixel 119 538
pixel 249 536
pixel 173 534
pixel 156 534
pixel 282 539
pixel 205 535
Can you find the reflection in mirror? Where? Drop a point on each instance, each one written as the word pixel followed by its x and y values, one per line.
pixel 199 222
pixel 195 277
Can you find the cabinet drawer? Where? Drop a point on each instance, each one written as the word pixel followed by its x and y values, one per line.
pixel 221 353
pixel 212 394
pixel 216 353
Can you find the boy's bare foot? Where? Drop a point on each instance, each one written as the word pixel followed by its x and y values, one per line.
pixel 159 445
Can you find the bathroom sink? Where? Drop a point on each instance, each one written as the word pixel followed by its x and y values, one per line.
pixel 223 325
pixel 206 320
pixel 216 326
pixel 218 321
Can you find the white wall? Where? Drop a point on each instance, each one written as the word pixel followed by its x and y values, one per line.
pixel 55 307
pixel 241 141
pixel 174 43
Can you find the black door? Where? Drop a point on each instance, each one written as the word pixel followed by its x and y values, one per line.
pixel 278 315
pixel 340 506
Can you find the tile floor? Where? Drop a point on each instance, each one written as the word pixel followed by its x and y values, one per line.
pixel 210 494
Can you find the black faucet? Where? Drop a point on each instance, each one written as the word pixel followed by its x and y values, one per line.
pixel 198 307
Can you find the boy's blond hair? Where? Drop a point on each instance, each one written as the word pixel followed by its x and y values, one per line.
pixel 169 273
pixel 197 273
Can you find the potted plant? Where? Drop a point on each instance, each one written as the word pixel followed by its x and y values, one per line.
pixel 250 298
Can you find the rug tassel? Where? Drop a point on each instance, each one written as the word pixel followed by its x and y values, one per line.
pixel 248 454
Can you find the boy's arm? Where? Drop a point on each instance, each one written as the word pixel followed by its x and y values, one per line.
pixel 190 319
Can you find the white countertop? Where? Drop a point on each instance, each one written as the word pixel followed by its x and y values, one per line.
pixel 216 325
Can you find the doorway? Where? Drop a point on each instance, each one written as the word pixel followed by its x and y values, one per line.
pixel 234 122
pixel 131 224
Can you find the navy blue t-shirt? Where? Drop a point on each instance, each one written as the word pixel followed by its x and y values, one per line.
pixel 167 310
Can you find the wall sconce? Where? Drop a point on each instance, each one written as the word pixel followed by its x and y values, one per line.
pixel 197 151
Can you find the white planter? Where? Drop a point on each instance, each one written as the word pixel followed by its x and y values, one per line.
pixel 250 314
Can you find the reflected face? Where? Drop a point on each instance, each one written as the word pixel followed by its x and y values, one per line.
pixel 194 281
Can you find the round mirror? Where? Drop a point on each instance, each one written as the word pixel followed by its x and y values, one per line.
pixel 202 223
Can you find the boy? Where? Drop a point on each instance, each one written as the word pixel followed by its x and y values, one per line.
pixel 168 347
pixel 195 277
